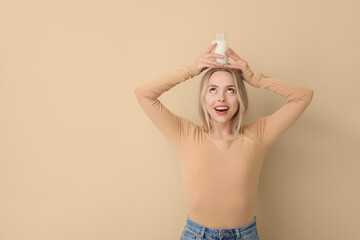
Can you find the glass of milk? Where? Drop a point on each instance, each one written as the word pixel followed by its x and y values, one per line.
pixel 221 47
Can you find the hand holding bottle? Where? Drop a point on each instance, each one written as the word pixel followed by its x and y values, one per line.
pixel 206 61
pixel 239 64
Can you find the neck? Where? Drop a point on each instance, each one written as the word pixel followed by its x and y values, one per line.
pixel 220 130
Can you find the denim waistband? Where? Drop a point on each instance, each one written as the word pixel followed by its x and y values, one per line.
pixel 225 233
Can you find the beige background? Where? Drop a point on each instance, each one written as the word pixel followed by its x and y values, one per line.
pixel 79 159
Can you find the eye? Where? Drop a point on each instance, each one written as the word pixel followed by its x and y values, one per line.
pixel 233 90
pixel 211 89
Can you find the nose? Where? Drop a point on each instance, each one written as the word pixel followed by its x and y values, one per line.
pixel 221 98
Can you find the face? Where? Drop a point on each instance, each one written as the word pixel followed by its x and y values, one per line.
pixel 221 90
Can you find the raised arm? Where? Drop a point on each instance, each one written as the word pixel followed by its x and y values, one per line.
pixel 174 128
pixel 269 128
pixel 171 125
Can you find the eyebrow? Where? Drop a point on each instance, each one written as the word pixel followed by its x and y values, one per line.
pixel 217 86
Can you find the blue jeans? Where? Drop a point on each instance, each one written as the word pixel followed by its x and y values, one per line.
pixel 195 231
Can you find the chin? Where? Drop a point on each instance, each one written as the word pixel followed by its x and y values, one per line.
pixel 221 120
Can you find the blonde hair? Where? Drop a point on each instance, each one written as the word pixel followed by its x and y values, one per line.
pixel 237 120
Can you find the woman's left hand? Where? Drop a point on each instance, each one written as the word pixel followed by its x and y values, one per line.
pixel 239 64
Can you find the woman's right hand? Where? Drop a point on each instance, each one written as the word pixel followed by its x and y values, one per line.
pixel 206 59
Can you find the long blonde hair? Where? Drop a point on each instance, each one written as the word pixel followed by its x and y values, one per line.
pixel 237 120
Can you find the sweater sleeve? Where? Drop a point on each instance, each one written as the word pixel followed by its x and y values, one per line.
pixel 172 126
pixel 267 129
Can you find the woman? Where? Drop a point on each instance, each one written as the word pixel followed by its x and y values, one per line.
pixel 221 160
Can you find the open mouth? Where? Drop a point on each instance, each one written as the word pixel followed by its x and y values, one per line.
pixel 221 110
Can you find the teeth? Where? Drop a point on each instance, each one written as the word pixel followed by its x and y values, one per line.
pixel 221 108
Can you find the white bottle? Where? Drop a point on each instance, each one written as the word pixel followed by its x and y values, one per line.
pixel 221 47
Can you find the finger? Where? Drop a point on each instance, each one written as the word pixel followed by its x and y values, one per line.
pixel 232 56
pixel 232 52
pixel 215 55
pixel 216 64
pixel 213 63
pixel 211 47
